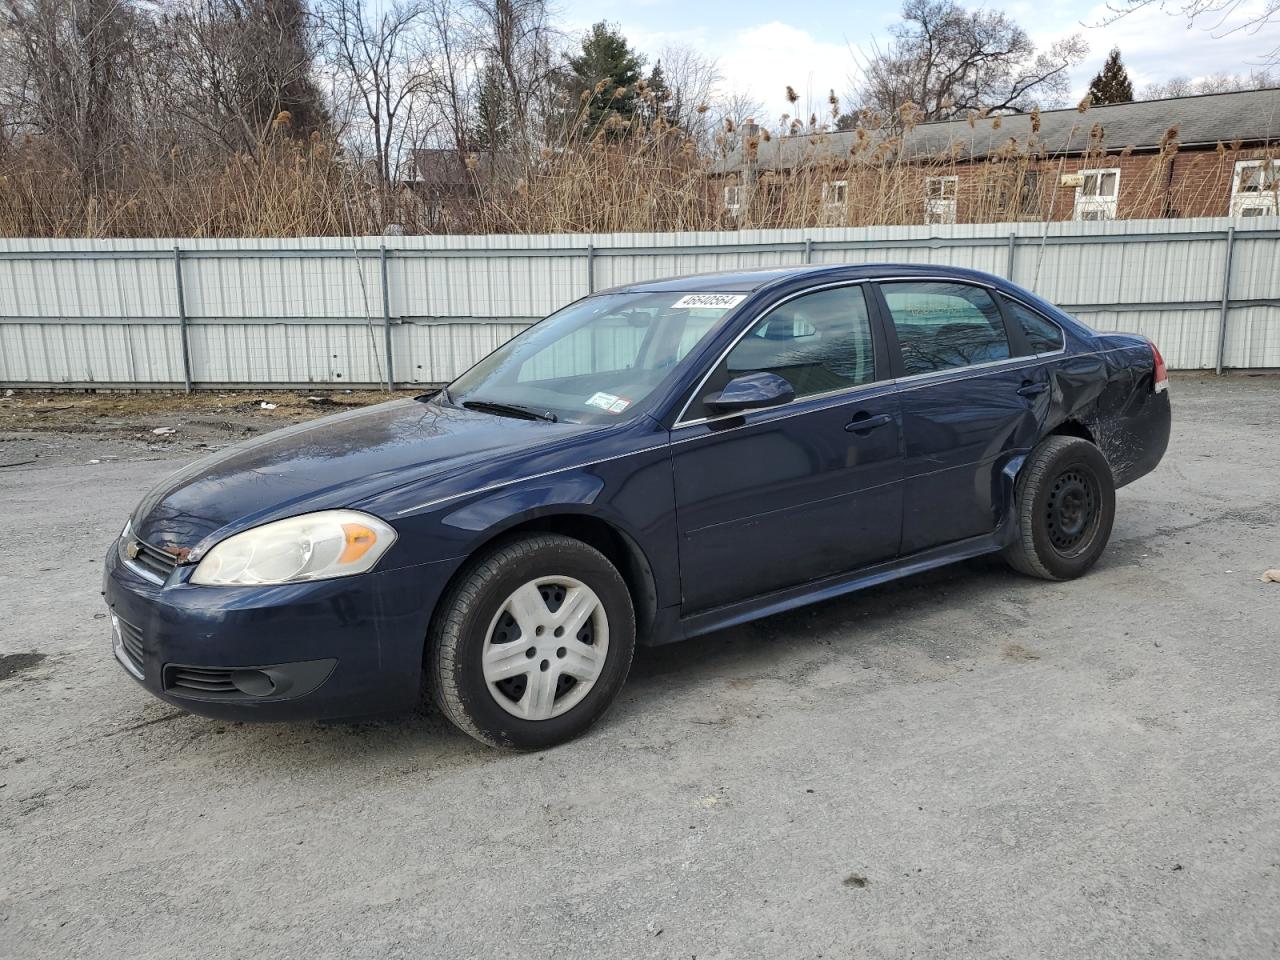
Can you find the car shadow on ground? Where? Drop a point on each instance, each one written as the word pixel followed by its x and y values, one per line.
pixel 870 626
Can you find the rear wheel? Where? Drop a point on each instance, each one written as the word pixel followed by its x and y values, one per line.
pixel 1065 507
pixel 533 643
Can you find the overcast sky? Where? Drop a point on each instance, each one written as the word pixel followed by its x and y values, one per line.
pixel 813 45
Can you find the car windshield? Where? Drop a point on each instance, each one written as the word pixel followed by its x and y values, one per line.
pixel 595 359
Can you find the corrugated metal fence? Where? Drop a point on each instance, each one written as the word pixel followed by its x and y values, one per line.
pixel 155 313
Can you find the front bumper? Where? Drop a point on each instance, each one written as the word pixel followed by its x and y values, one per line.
pixel 322 650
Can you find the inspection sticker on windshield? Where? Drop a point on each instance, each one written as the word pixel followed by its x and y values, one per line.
pixel 607 401
pixel 715 301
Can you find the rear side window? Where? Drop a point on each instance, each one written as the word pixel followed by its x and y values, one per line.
pixel 942 325
pixel 1043 335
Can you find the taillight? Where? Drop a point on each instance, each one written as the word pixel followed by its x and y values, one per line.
pixel 1160 380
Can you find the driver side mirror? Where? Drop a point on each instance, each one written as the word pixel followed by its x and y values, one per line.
pixel 751 391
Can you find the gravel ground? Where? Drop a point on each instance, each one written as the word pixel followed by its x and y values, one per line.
pixel 964 764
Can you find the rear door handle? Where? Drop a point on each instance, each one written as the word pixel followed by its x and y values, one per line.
pixel 1032 389
pixel 864 424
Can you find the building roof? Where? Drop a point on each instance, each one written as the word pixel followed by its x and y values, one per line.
pixel 1252 116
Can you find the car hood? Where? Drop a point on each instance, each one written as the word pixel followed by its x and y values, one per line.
pixel 333 462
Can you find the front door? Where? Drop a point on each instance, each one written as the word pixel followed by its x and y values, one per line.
pixel 968 406
pixel 776 497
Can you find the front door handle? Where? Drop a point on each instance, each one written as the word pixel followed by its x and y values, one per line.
pixel 1032 388
pixel 863 423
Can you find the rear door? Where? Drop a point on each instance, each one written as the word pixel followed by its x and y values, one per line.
pixel 969 404
pixel 772 498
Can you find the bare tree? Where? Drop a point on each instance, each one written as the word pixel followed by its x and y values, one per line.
pixel 1220 18
pixel 947 60
pixel 73 66
pixel 238 68
pixel 1214 83
pixel 691 80
pixel 378 78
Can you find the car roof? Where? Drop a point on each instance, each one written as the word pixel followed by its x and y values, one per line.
pixel 744 281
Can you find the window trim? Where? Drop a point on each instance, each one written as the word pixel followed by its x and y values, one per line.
pixel 879 321
pixel 1265 200
pixel 830 187
pixel 933 204
pixel 737 204
pixel 1110 203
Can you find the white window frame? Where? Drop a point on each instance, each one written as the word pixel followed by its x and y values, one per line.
pixel 1255 203
pixel 1096 206
pixel 835 193
pixel 733 190
pixel 942 208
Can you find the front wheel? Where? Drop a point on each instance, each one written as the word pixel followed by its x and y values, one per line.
pixel 1065 504
pixel 533 643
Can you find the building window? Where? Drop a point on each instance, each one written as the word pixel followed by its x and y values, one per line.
pixel 733 197
pixel 835 193
pixel 1096 197
pixel 940 199
pixel 1254 188
pixel 1013 194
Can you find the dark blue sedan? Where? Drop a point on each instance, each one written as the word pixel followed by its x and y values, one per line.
pixel 648 464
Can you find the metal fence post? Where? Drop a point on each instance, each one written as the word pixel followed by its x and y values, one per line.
pixel 1226 299
pixel 808 250
pixel 386 315
pixel 182 319
pixel 591 267
pixel 1008 270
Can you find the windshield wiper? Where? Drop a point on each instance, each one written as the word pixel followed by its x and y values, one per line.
pixel 509 410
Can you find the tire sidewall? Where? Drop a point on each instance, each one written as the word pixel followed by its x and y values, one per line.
pixel 467 630
pixel 1079 455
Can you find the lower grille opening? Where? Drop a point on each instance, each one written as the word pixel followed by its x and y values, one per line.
pixel 131 640
pixel 214 684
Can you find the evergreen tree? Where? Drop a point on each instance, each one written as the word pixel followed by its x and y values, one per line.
pixel 601 80
pixel 1112 84
pixel 491 126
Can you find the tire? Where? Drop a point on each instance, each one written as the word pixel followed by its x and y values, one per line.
pixel 1065 505
pixel 530 595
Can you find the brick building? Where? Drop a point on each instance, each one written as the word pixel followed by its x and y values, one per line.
pixel 1210 155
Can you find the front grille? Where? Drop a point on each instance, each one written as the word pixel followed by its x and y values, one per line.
pixel 131 640
pixel 157 561
pixel 208 684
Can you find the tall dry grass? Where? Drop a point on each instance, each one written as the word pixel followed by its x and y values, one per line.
pixel 646 177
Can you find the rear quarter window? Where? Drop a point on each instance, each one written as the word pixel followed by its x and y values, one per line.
pixel 1043 335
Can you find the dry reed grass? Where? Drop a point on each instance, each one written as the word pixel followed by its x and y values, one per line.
pixel 623 177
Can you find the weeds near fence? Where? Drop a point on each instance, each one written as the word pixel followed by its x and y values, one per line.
pixel 638 176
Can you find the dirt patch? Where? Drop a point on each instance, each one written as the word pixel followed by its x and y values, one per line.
pixel 43 426
pixel 1016 651
pixel 12 664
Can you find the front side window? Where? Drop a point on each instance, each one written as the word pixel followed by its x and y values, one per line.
pixel 1043 335
pixel 818 342
pixel 944 325
pixel 596 359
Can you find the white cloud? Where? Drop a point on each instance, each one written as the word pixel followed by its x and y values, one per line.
pixel 764 59
pixel 1156 46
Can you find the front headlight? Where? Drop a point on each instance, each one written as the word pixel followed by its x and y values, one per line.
pixel 314 546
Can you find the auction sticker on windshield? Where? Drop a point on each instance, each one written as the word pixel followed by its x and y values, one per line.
pixel 721 301
pixel 607 401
